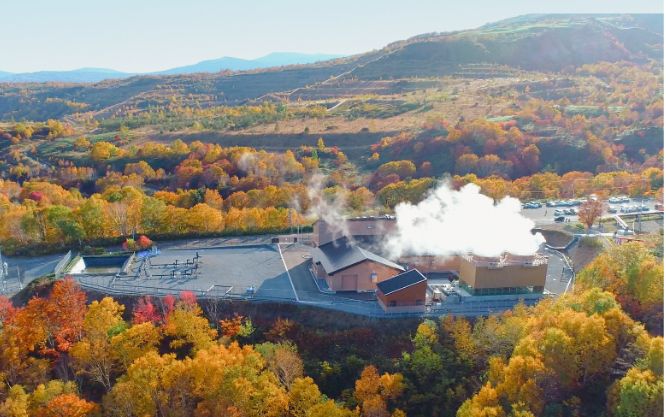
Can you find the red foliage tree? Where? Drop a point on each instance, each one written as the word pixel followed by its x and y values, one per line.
pixel 63 311
pixel 144 242
pixel 168 303
pixel 145 311
pixel 188 298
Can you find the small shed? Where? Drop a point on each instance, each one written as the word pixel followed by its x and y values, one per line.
pixel 403 292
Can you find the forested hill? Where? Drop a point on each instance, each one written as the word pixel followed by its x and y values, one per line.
pixel 547 43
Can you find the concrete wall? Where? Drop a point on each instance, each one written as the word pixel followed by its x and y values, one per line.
pixel 357 277
pixel 507 276
pixel 414 295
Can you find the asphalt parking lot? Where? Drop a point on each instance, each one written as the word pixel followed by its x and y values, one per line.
pixel 255 270
pixel 546 215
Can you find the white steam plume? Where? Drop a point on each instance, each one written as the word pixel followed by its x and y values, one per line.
pixel 330 212
pixel 450 222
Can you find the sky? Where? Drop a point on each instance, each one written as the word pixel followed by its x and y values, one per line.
pixel 152 35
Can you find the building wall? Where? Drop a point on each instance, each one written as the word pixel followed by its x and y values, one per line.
pixel 507 276
pixel 322 232
pixel 357 277
pixel 428 264
pixel 414 295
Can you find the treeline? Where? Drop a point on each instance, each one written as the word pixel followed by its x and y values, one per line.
pixel 61 357
pixel 579 355
pixel 52 129
pixel 179 114
pixel 510 151
pixel 540 186
pixel 48 215
pixel 44 214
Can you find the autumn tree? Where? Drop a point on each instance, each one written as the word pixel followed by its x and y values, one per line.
pixel 589 212
pixel 92 356
pixel 373 391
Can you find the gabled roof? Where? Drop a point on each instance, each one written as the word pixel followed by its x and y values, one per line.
pixel 400 281
pixel 341 254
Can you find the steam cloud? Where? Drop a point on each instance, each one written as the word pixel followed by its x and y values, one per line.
pixel 331 212
pixel 450 222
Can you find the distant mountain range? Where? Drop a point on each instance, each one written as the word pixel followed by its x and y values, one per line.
pixel 543 43
pixel 91 75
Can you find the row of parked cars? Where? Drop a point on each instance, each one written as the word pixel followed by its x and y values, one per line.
pixel 564 203
pixel 565 212
pixel 532 205
pixel 555 203
pixel 619 200
pixel 629 209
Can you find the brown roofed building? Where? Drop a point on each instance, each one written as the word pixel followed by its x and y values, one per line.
pixel 405 292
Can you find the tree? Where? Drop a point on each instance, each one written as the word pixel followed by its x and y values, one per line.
pixel 373 391
pixel 283 360
pixel 187 329
pixel 634 275
pixel 66 405
pixel 638 393
pixel 589 212
pixel 304 395
pixel 133 343
pixel 92 355
pixel 16 404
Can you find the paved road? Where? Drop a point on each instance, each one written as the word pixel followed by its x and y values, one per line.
pixel 23 270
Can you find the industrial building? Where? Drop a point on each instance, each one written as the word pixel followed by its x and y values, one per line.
pixel 506 274
pixel 345 266
pixel 349 264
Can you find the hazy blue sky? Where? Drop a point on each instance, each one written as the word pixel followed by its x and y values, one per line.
pixel 148 35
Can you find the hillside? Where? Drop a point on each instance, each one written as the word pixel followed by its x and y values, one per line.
pixel 546 43
pixel 275 59
pixel 94 75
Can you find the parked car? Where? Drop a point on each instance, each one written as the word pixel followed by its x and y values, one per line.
pixel 558 212
pixel 612 210
pixel 559 219
pixel 531 205
pixel 551 204
pixel 571 212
